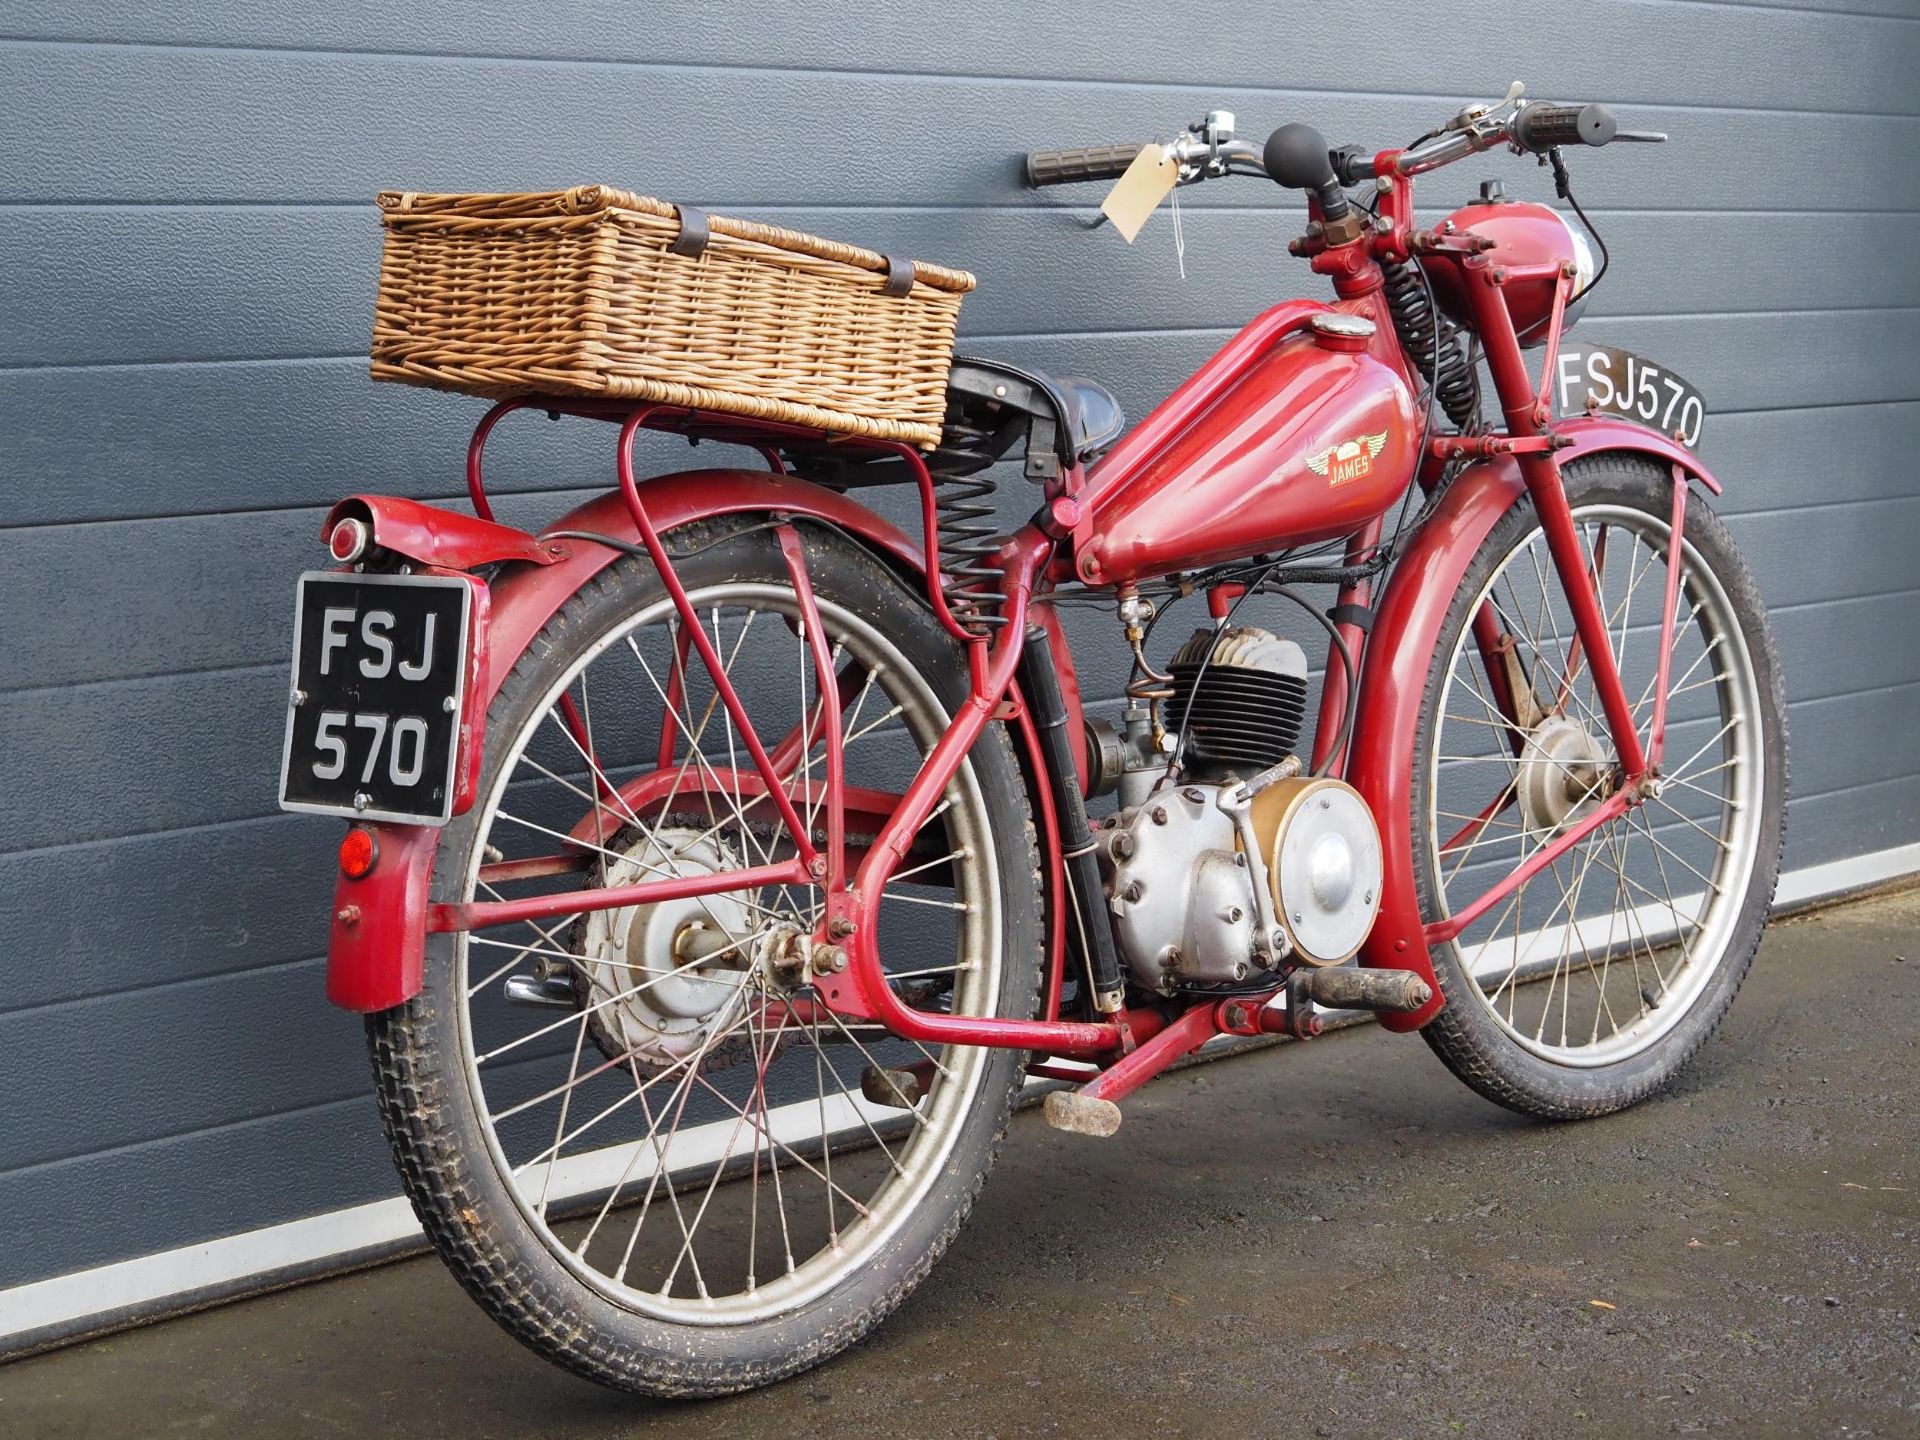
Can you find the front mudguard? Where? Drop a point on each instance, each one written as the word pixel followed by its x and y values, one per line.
pixel 1399 656
pixel 377 945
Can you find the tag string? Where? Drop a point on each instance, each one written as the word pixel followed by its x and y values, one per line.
pixel 1179 236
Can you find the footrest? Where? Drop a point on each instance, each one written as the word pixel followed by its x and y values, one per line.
pixel 1350 987
pixel 1079 1114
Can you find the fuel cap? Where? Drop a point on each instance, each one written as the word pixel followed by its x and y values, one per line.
pixel 1335 330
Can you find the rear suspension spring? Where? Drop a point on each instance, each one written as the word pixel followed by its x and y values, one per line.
pixel 1432 344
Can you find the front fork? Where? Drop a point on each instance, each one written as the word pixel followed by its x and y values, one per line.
pixel 1535 448
pixel 1542 475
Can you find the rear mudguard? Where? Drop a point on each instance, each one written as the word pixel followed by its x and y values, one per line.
pixel 1399 654
pixel 376 950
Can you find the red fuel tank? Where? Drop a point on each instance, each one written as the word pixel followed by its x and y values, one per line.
pixel 1312 440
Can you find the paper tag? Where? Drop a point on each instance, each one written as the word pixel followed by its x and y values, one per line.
pixel 1138 193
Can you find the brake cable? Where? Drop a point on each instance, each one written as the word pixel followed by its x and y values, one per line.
pixel 1563 187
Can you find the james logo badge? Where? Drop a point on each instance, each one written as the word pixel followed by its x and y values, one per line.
pixel 1349 460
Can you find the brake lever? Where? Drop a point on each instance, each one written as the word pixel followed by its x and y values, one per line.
pixel 1640 137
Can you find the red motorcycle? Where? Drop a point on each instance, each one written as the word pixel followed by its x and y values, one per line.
pixel 720 865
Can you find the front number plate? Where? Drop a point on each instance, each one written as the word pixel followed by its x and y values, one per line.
pixel 1599 380
pixel 379 678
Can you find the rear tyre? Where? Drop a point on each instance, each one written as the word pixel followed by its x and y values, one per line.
pixel 717 1234
pixel 1591 986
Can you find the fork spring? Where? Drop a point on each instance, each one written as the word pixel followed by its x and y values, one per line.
pixel 1431 343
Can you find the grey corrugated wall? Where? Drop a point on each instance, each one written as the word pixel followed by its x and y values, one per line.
pixel 187 253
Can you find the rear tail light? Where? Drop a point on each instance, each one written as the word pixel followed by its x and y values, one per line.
pixel 348 540
pixel 359 852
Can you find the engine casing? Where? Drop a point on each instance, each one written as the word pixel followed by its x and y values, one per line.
pixel 1180 892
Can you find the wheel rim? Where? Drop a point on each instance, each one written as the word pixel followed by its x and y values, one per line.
pixel 770 1205
pixel 1630 925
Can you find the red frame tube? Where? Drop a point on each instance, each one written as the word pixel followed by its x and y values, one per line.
pixel 828 709
pixel 690 622
pixel 479 914
pixel 1610 810
pixel 1173 1043
pixel 676 697
pixel 862 989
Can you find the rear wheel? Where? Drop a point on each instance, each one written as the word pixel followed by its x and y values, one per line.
pixel 1593 983
pixel 625 1130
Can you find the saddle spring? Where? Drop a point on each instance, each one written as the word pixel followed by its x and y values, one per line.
pixel 969 539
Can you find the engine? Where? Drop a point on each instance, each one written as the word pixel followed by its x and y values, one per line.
pixel 1237 864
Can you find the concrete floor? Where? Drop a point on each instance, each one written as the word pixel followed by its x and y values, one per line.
pixel 1331 1240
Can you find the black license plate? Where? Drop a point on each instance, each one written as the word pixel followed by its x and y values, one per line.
pixel 1600 380
pixel 379 678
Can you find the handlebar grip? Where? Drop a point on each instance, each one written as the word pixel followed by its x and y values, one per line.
pixel 1091 162
pixel 1540 127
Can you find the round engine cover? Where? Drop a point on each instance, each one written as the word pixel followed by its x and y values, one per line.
pixel 1321 849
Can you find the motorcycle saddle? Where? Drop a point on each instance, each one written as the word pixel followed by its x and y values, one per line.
pixel 992 407
pixel 1076 418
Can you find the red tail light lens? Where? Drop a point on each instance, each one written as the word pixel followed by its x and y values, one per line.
pixel 348 540
pixel 359 850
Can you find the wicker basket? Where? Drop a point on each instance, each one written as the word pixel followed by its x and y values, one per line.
pixel 600 292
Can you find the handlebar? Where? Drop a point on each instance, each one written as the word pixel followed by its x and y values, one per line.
pixel 1198 153
pixel 1299 157
pixel 1535 127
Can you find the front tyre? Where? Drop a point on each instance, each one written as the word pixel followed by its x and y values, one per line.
pixel 1590 986
pixel 625 1132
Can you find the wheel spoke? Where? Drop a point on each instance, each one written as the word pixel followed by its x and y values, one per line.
pixel 893 1161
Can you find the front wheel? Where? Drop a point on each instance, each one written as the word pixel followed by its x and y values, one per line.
pixel 629 1132
pixel 1588 987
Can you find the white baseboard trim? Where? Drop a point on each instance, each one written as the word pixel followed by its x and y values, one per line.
pixel 1814 883
pixel 69 1307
